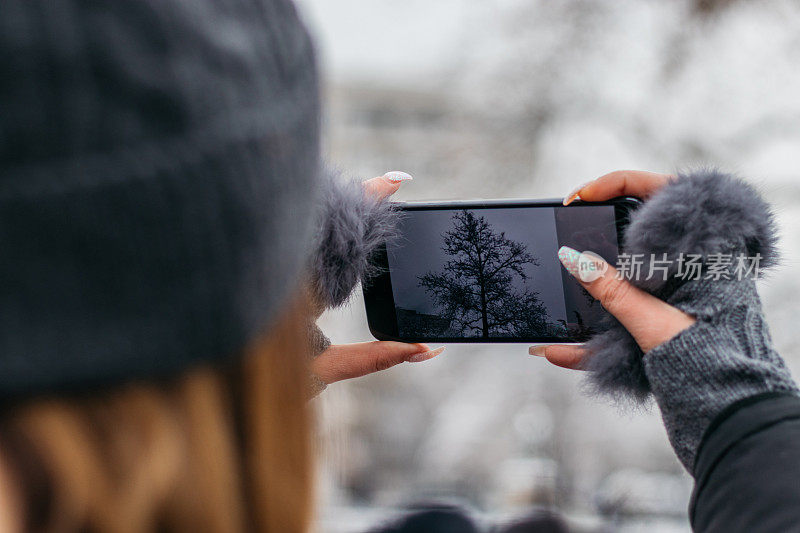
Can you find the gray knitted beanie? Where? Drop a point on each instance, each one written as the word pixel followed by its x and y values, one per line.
pixel 158 168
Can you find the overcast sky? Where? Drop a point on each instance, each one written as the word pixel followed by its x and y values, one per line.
pixel 407 42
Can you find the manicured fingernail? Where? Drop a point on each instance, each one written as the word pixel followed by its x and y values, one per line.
pixel 424 356
pixel 586 266
pixel 569 258
pixel 591 267
pixel 537 350
pixel 396 175
pixel 574 193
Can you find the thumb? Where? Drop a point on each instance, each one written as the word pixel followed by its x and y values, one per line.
pixel 345 361
pixel 649 320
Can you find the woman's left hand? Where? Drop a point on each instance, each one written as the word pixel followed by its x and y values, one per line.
pixel 345 361
pixel 649 320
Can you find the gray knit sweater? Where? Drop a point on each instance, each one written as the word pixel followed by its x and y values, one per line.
pixel 727 355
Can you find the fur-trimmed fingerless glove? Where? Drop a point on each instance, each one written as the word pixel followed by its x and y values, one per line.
pixel 727 355
pixel 350 227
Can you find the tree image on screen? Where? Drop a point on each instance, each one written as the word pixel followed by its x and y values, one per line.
pixel 481 290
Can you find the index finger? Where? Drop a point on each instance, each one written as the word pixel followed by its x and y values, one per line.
pixel 636 183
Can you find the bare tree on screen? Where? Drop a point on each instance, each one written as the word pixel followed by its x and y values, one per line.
pixel 475 289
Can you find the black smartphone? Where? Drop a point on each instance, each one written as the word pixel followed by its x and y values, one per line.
pixel 488 271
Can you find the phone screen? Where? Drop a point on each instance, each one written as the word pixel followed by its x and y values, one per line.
pixel 493 272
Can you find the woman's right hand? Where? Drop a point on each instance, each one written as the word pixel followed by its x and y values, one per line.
pixel 649 320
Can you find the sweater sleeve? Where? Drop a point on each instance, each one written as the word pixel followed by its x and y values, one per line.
pixel 318 343
pixel 725 357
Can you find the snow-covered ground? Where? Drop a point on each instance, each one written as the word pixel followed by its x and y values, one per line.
pixel 517 98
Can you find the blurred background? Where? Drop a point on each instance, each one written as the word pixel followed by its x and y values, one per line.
pixel 528 98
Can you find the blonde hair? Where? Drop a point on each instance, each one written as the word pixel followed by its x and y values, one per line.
pixel 219 449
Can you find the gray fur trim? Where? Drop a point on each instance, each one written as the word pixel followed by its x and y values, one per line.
pixel 615 364
pixel 351 227
pixel 701 212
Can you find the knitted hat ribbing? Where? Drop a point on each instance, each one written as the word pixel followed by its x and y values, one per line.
pixel 157 167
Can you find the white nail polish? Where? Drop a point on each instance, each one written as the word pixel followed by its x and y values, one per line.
pixel 424 356
pixel 573 194
pixel 396 175
pixel 586 266
pixel 569 258
pixel 591 267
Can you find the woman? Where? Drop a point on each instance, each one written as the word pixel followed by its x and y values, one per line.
pixel 158 209
pixel 159 196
